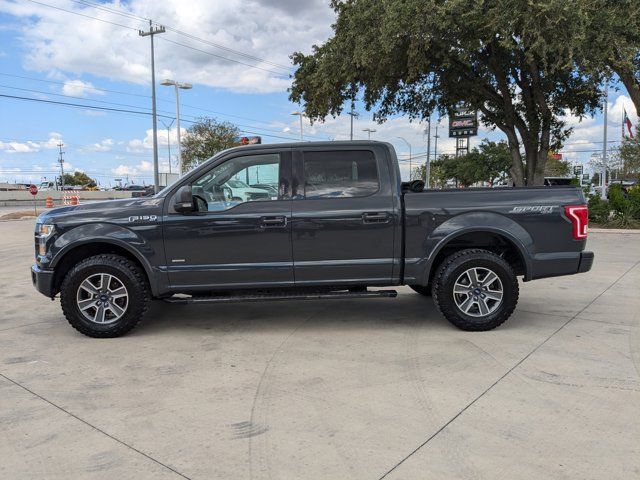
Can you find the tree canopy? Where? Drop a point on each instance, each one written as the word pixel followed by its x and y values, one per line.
pixel 204 139
pixel 79 178
pixel 487 162
pixel 514 61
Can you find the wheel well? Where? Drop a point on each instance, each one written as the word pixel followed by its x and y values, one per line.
pixel 79 253
pixel 491 241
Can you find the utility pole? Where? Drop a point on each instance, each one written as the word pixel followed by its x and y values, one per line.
pixel 603 175
pixel 427 165
pixel 352 113
pixel 410 158
pixel 153 31
pixel 435 147
pixel 61 161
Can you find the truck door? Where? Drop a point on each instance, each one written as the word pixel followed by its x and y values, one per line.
pixel 343 217
pixel 243 239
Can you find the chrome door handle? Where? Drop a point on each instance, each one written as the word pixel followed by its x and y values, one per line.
pixel 375 217
pixel 268 222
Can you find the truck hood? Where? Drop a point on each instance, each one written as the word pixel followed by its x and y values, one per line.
pixel 103 209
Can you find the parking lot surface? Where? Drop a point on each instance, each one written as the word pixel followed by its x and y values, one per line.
pixel 349 389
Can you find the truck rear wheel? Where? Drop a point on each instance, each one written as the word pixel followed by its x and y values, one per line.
pixel 475 289
pixel 104 296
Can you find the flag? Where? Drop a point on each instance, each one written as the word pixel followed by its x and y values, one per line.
pixel 626 122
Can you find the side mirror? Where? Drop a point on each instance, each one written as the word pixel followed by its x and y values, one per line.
pixel 183 200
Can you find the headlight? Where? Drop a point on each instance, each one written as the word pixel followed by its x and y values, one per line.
pixel 44 230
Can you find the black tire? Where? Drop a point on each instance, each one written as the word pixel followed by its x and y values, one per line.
pixel 453 268
pixel 127 274
pixel 421 289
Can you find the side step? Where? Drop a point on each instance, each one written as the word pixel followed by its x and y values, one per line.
pixel 283 296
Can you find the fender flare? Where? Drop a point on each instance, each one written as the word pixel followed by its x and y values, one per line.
pixel 101 233
pixel 503 227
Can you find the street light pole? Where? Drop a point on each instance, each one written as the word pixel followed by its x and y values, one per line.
pixel 168 127
pixel 603 175
pixel 154 31
pixel 178 86
pixel 352 113
pixel 427 166
pixel 369 132
pixel 405 140
pixel 300 114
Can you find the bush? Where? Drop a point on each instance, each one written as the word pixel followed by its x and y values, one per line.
pixel 599 210
pixel 634 199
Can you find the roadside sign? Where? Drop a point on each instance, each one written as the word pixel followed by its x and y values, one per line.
pixel 463 123
pixel 577 170
pixel 33 189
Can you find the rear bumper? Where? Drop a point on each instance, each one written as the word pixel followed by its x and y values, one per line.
pixel 42 280
pixel 546 265
pixel 586 261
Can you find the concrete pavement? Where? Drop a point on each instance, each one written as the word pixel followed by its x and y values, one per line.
pixel 357 389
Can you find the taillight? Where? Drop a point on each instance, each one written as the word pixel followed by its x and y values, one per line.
pixel 579 216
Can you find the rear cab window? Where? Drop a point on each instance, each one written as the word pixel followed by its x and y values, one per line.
pixel 340 174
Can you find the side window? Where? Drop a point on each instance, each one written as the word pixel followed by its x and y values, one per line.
pixel 249 178
pixel 343 174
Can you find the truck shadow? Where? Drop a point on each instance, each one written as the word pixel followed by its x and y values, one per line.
pixel 285 315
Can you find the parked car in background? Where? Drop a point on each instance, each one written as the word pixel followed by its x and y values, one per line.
pixel 242 192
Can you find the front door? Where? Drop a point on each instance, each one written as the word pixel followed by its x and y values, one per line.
pixel 240 237
pixel 344 218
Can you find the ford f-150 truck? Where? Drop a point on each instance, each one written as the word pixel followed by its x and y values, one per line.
pixel 340 223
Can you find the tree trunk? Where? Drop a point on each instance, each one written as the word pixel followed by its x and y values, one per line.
pixel 516 171
pixel 631 84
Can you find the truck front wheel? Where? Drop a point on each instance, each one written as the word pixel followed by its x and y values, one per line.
pixel 104 296
pixel 475 289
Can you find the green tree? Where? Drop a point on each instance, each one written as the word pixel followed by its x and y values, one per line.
pixel 611 41
pixel 557 167
pixel 79 178
pixel 205 138
pixel 488 162
pixel 628 157
pixel 509 59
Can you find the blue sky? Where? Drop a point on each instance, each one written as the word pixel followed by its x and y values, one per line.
pixel 68 57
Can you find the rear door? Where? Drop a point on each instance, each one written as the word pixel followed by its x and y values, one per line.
pixel 343 217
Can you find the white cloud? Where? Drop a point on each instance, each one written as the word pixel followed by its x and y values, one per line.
pixel 143 167
pixel 79 88
pixel 102 146
pixel 268 29
pixel 31 146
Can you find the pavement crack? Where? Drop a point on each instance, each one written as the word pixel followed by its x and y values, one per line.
pixel 98 429
pixel 520 362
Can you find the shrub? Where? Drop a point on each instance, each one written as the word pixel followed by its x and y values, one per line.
pixel 599 210
pixel 634 199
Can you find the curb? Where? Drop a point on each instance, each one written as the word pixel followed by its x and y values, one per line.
pixel 615 230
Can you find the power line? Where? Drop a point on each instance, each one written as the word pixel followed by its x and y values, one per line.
pixel 121 110
pixel 220 56
pixel 185 34
pixel 83 15
pixel 119 92
pixel 166 40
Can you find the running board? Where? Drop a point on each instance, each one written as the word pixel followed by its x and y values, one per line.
pixel 284 296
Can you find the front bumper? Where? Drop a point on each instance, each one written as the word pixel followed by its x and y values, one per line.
pixel 42 280
pixel 586 261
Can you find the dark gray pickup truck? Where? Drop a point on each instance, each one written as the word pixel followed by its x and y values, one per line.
pixel 306 221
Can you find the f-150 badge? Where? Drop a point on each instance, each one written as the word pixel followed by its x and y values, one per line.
pixel 143 218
